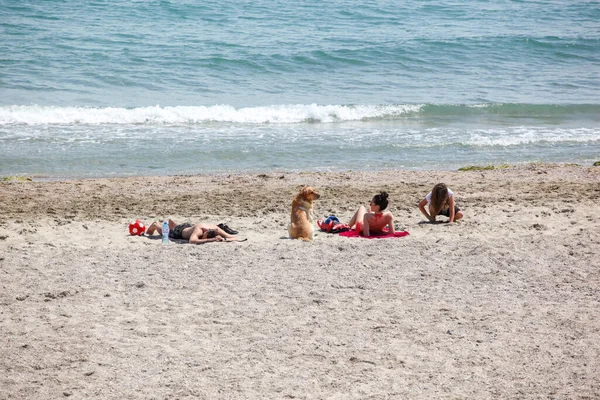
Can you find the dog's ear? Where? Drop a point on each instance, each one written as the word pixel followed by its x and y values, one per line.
pixel 307 191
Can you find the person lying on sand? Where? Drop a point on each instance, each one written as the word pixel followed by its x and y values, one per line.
pixel 195 234
pixel 441 202
pixel 374 220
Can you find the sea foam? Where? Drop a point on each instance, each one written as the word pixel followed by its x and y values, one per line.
pixel 182 115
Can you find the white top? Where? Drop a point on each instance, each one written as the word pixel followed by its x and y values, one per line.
pixel 428 197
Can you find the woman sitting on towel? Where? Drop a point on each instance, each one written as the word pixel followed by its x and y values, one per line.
pixel 195 234
pixel 375 220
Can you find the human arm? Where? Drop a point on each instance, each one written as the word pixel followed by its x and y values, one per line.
pixel 391 224
pixel 422 205
pixel 198 237
pixel 451 202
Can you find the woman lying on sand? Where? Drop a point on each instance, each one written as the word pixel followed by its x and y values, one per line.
pixel 375 220
pixel 441 202
pixel 195 234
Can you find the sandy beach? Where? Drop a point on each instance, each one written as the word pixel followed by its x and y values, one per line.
pixel 502 304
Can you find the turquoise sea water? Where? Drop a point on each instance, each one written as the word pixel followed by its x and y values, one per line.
pixel 144 87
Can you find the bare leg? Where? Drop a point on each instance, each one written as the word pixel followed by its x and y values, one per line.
pixel 458 215
pixel 358 216
pixel 155 227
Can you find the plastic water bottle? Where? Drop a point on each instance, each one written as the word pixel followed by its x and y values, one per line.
pixel 165 233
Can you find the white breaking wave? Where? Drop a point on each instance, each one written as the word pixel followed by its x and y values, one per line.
pixel 523 136
pixel 180 115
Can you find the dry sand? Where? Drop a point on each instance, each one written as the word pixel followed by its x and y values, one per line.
pixel 503 304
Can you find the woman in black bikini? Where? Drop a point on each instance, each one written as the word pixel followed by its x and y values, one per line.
pixel 440 201
pixel 195 234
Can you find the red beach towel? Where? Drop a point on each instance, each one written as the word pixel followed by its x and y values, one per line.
pixel 353 233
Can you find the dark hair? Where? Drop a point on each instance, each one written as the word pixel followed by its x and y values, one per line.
pixel 381 200
pixel 439 198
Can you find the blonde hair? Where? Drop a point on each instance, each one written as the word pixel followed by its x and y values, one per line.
pixel 439 198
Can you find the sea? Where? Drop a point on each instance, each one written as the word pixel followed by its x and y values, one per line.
pixel 97 88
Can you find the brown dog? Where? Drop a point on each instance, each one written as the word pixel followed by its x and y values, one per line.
pixel 301 226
